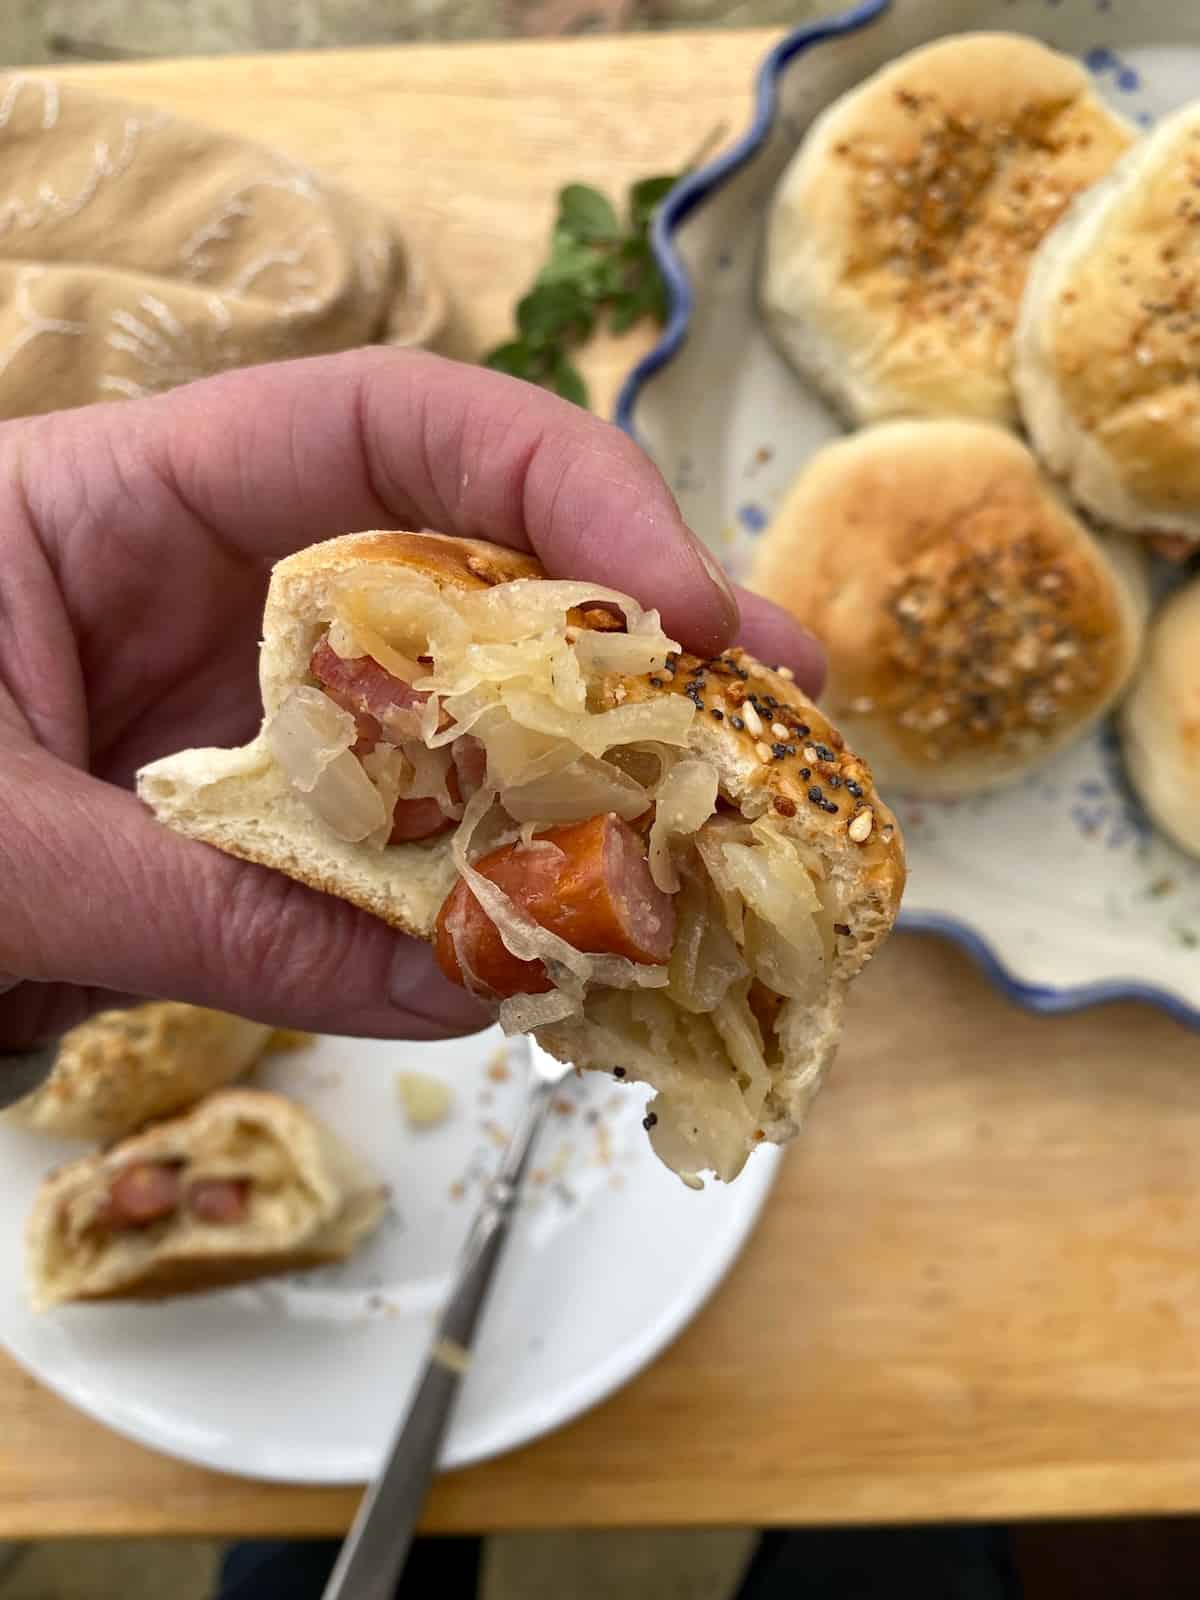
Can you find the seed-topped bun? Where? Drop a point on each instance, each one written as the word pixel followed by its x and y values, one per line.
pixel 1160 720
pixel 973 624
pixel 901 233
pixel 1107 356
pixel 653 862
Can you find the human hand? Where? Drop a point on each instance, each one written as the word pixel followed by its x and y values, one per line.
pixel 136 541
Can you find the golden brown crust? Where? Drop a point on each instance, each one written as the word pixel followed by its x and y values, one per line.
pixel 1124 338
pixel 796 757
pixel 449 561
pixel 914 209
pixel 971 620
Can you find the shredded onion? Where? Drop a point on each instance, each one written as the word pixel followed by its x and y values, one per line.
pixel 631 654
pixel 430 778
pixel 587 788
pixel 310 737
pixel 735 1022
pixel 522 1013
pixel 667 719
pixel 389 770
pixel 704 958
pixel 686 798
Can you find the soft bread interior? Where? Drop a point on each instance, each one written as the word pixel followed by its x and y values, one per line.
pixel 309 1199
pixel 533 667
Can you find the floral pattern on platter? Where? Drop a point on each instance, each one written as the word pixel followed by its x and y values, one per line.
pixel 1059 886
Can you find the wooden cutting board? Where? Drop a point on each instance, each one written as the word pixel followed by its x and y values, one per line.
pixel 975 1291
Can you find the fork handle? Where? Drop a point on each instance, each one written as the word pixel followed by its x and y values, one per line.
pixel 376 1548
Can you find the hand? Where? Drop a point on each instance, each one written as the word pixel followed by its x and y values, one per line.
pixel 136 542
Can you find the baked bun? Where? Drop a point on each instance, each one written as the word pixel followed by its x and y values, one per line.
pixel 973 624
pixel 1160 720
pixel 563 773
pixel 1107 352
pixel 901 233
pixel 246 1185
pixel 121 1069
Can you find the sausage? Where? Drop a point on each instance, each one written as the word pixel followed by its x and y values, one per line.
pixel 368 691
pixel 142 1193
pixel 588 882
pixel 222 1200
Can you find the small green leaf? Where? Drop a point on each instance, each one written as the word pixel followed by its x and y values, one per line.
pixel 515 358
pixel 570 261
pixel 554 311
pixel 625 311
pixel 645 198
pixel 565 380
pixel 586 214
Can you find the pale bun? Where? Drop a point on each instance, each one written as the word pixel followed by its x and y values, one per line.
pixel 311 1201
pixel 1107 349
pixel 900 235
pixel 1160 720
pixel 974 625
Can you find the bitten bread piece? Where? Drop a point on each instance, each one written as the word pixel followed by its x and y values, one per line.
pixel 901 233
pixel 656 863
pixel 244 1186
pixel 973 624
pixel 1107 358
pixel 1160 720
pixel 121 1069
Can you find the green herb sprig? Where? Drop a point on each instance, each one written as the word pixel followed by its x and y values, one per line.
pixel 597 263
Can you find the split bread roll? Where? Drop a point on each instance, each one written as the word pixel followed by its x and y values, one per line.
pixel 900 235
pixel 973 624
pixel 244 1186
pixel 121 1069
pixel 1160 720
pixel 1107 354
pixel 661 866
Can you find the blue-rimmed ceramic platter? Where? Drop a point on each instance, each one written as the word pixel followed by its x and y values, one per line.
pixel 1059 887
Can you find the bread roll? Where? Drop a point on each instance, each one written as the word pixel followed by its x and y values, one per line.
pixel 580 723
pixel 1160 720
pixel 121 1069
pixel 973 624
pixel 244 1186
pixel 900 235
pixel 1107 354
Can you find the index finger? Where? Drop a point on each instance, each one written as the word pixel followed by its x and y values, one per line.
pixel 272 458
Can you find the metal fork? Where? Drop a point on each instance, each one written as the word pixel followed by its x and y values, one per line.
pixel 376 1548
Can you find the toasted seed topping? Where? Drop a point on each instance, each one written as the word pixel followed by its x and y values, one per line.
pixel 861 825
pixel 753 720
pixel 763 751
pixel 778 729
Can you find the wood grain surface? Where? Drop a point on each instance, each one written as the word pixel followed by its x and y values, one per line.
pixel 975 1290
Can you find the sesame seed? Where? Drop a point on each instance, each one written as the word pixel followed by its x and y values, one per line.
pixel 719 716
pixel 806 773
pixel 830 807
pixel 656 683
pixel 825 753
pixel 737 722
pixel 803 729
pixel 649 1120
pixel 786 672
pixel 854 788
pixel 861 826
pixel 834 781
pixel 753 720
pixel 781 750
pixel 810 755
pixel 618 1072
pixel 778 729
pixel 763 751
pixel 815 795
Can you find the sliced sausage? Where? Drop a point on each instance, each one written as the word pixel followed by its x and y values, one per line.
pixel 588 882
pixel 222 1200
pixel 143 1193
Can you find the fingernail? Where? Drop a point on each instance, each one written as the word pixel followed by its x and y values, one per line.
pixel 719 577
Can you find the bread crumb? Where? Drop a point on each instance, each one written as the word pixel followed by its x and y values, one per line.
pixel 426 1100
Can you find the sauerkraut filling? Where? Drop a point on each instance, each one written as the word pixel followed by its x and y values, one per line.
pixel 496 717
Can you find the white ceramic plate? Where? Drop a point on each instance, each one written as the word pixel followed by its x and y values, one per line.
pixel 303 1379
pixel 1058 886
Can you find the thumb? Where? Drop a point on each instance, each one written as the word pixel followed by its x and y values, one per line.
pixel 98 894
